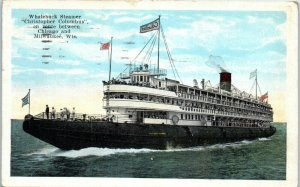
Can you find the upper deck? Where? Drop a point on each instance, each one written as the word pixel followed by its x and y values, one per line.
pixel 185 92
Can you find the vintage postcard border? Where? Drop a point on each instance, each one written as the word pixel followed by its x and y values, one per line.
pixel 292 83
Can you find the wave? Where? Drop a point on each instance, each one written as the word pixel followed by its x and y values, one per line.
pixel 91 151
pixel 101 152
pixel 45 151
pixel 94 151
pixel 264 139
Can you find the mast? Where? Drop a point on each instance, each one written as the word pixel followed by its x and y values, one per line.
pixel 158 44
pixel 256 84
pixel 110 59
pixel 29 102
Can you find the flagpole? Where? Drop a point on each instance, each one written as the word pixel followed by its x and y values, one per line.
pixel 158 44
pixel 110 59
pixel 256 84
pixel 29 102
pixel 109 77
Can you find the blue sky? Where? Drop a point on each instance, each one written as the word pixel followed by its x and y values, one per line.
pixel 246 40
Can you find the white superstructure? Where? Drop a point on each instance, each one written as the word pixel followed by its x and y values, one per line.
pixel 147 97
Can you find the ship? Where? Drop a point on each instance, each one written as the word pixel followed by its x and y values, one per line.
pixel 146 109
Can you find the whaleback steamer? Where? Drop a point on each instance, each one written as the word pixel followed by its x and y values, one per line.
pixel 145 109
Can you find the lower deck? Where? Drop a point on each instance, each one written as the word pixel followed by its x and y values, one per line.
pixel 158 118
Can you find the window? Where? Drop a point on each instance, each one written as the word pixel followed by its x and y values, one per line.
pixel 141 78
pixel 130 116
pixel 159 84
pixel 181 116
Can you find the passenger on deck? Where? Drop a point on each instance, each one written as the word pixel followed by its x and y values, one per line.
pixel 67 113
pixel 73 113
pixel 62 113
pixel 47 111
pixel 53 113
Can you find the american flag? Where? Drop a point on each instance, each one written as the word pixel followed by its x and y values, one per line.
pixel 263 97
pixel 25 100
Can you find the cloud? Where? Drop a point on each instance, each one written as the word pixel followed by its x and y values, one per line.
pixel 16 54
pixel 54 71
pixel 185 17
pixel 68 62
pixel 260 20
pixel 103 16
pixel 127 19
pixel 62 71
pixel 204 32
pixel 133 19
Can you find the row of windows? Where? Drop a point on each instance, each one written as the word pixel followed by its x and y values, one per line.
pixel 140 78
pixel 188 105
pixel 241 104
pixel 193 117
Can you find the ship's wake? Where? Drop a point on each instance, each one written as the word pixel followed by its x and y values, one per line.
pixel 264 139
pixel 101 152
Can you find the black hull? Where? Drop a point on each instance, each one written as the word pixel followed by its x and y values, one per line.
pixel 76 135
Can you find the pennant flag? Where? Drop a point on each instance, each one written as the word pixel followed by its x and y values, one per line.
pixel 105 46
pixel 253 74
pixel 25 100
pixel 263 97
pixel 154 25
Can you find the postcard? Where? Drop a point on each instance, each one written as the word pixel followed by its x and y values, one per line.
pixel 131 93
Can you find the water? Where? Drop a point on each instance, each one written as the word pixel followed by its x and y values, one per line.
pixel 263 158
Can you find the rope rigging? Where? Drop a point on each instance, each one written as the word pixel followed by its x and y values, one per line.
pixel 143 48
pixel 146 58
pixel 169 56
pixel 148 54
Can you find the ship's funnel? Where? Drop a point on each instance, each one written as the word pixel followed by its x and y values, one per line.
pixel 225 81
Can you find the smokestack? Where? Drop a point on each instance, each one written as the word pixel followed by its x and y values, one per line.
pixel 225 81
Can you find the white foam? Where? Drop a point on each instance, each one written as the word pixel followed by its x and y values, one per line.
pixel 100 152
pixel 93 151
pixel 247 141
pixel 264 139
pixel 44 151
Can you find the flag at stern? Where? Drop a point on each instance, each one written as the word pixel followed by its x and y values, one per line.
pixel 26 100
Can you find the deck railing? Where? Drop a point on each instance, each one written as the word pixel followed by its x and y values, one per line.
pixel 71 116
pixel 206 99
